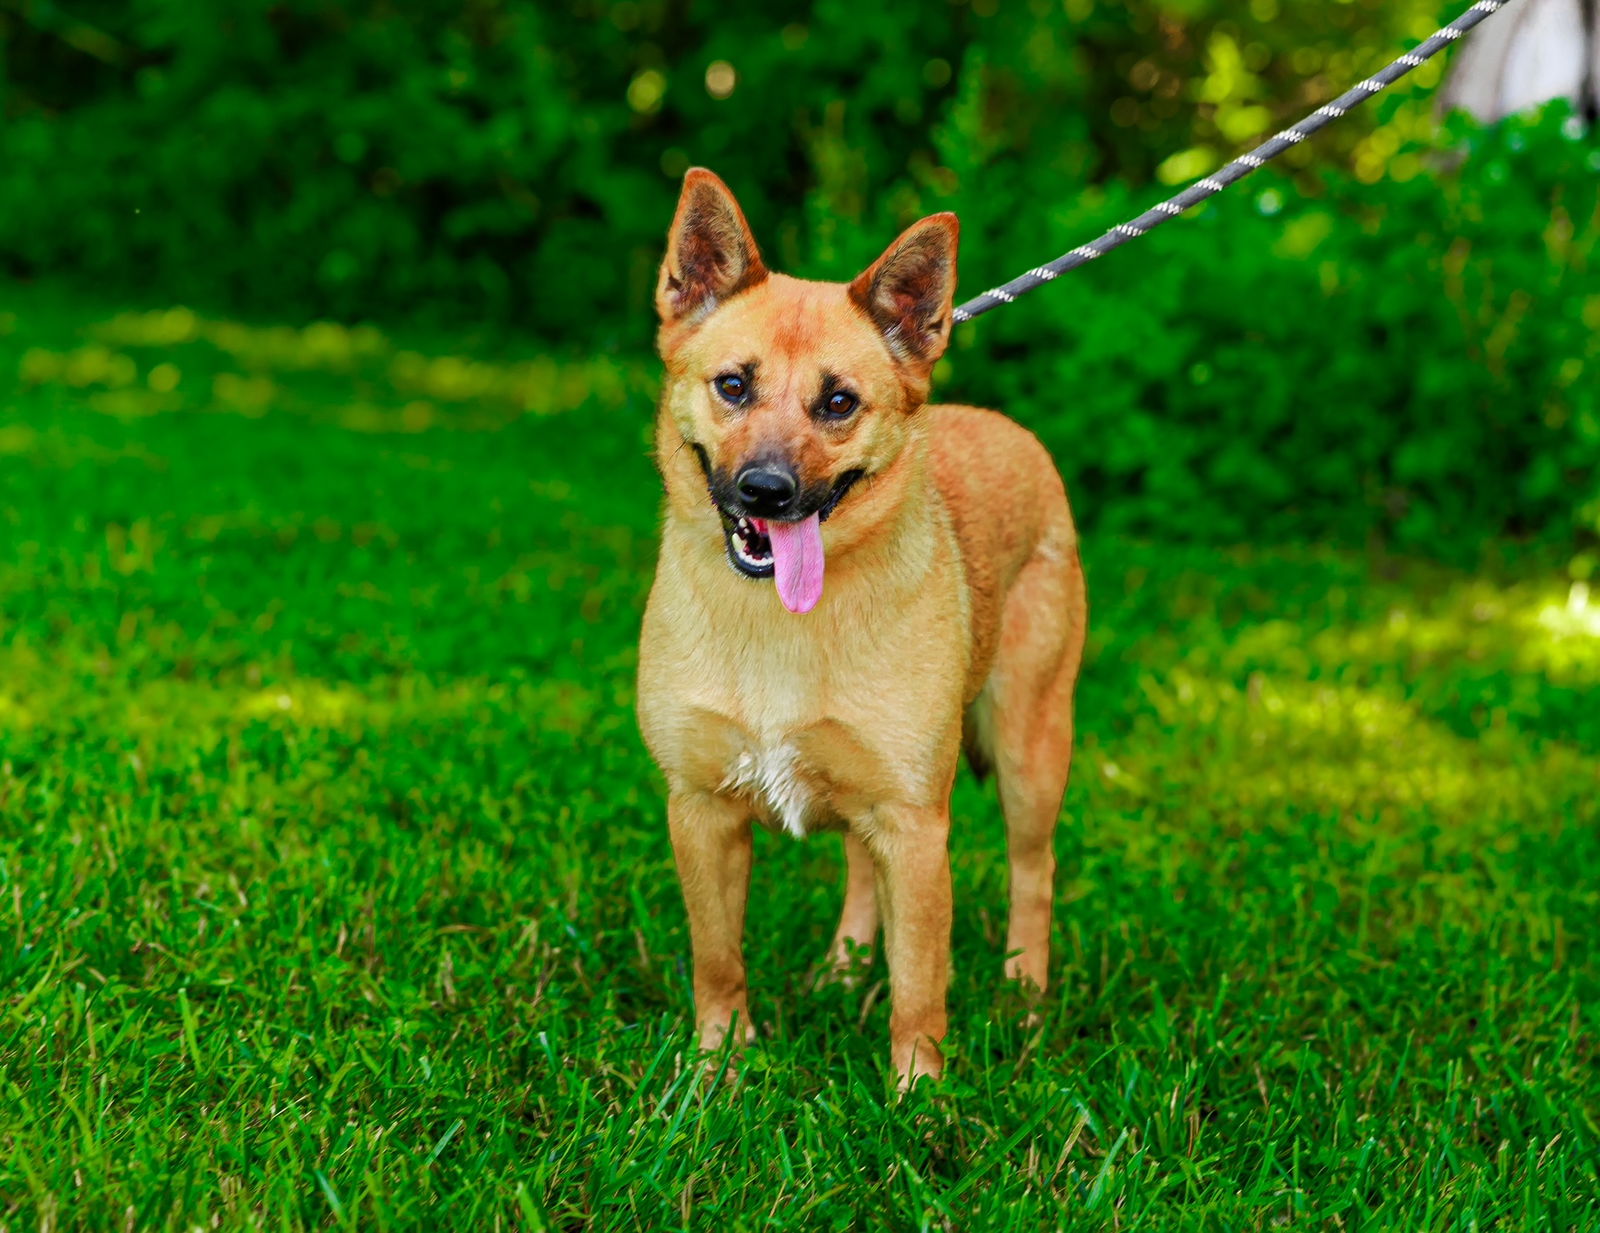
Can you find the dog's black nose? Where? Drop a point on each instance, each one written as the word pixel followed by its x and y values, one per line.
pixel 767 488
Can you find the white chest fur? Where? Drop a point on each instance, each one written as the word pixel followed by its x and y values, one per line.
pixel 772 775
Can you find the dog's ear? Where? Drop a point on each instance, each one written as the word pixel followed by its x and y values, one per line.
pixel 909 292
pixel 711 254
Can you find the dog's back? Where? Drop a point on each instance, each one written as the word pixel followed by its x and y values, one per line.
pixel 1009 509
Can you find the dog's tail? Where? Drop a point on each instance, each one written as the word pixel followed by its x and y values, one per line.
pixel 977 737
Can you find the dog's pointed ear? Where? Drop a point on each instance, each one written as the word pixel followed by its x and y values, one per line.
pixel 909 292
pixel 711 254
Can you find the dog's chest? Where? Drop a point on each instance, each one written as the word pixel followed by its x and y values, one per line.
pixel 812 722
pixel 771 775
pixel 781 696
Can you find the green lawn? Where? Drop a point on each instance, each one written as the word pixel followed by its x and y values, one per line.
pixel 337 892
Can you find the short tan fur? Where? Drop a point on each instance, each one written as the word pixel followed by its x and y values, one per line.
pixel 952 612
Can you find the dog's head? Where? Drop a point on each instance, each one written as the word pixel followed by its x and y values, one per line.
pixel 791 393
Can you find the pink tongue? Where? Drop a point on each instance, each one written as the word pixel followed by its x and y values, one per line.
pixel 797 562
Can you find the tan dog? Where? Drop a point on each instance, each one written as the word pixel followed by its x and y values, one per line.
pixel 852 586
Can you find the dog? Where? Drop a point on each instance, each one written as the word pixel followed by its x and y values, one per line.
pixel 853 588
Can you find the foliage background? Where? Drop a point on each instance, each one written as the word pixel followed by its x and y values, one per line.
pixel 1398 340
pixel 336 892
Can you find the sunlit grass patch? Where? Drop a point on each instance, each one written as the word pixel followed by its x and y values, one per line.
pixel 1576 625
pixel 180 710
pixel 1280 743
pixel 81 366
pixel 1542 627
pixel 134 364
pixel 1478 654
pixel 540 385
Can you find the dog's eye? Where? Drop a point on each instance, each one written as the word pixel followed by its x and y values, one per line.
pixel 731 386
pixel 839 405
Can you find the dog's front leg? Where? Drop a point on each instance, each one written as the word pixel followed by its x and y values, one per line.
pixel 911 848
pixel 711 842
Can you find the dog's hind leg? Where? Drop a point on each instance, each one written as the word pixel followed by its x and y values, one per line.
pixel 1029 696
pixel 858 923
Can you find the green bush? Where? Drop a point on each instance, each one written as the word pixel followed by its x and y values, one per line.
pixel 1402 345
pixel 1419 358
pixel 517 161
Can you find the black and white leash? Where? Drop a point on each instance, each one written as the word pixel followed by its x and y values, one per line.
pixel 1233 172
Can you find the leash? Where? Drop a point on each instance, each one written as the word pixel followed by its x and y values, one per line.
pixel 1235 171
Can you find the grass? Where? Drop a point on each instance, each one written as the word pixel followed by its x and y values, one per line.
pixel 337 891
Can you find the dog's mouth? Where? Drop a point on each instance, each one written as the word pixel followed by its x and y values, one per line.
pixel 749 546
pixel 788 550
pixel 749 540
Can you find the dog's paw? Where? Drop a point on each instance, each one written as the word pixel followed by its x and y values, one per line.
pixel 720 1050
pixel 716 1036
pixel 846 967
pixel 914 1063
pixel 721 1069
